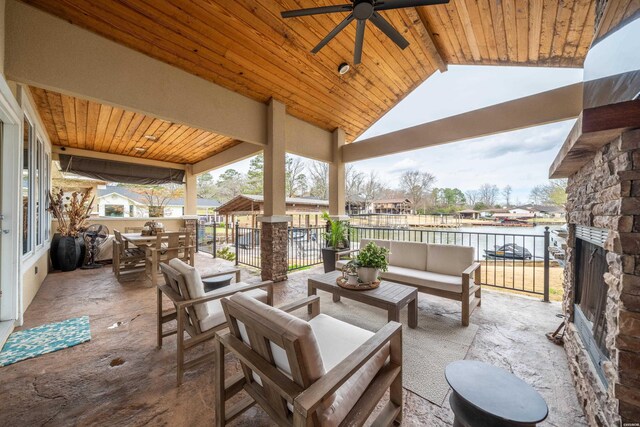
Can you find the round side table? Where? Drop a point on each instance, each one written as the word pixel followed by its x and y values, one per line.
pixel 217 282
pixel 484 395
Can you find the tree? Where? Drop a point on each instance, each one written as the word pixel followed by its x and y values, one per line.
pixel 158 196
pixel 319 177
pixel 472 197
pixel 506 192
pixel 354 181
pixel 487 194
pixel 255 176
pixel 206 188
pixel 371 188
pixel 230 184
pixel 416 186
pixel 552 193
pixel 295 179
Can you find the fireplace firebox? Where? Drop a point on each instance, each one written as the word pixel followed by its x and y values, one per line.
pixel 590 300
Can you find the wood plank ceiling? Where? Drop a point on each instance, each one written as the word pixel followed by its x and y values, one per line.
pixel 77 123
pixel 245 45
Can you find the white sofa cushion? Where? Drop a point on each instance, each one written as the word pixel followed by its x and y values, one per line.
pixel 337 341
pixel 449 259
pixel 408 255
pixel 216 314
pixel 424 279
pixel 195 287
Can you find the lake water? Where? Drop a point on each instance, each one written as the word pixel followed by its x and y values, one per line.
pixel 481 238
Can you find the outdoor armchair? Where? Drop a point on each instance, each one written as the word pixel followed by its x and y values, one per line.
pixel 198 314
pixel 323 372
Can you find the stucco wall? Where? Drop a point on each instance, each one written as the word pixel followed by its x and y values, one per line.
pixel 31 281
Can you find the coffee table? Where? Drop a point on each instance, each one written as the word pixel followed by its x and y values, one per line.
pixel 388 296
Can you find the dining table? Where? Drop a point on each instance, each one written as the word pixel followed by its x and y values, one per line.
pixel 141 241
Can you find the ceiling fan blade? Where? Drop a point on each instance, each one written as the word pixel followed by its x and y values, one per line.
pixel 346 21
pixel 357 52
pixel 388 29
pixel 399 4
pixel 317 10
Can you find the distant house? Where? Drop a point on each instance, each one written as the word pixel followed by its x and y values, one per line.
pixel 124 203
pixel 469 214
pixel 392 206
pixel 540 211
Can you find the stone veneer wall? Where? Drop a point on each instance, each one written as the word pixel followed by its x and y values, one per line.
pixel 273 251
pixel 605 194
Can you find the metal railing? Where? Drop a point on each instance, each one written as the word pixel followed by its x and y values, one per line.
pixel 505 270
pixel 304 246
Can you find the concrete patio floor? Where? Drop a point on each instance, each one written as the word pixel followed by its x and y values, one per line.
pixel 121 378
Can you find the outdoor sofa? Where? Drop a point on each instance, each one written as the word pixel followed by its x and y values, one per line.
pixel 441 270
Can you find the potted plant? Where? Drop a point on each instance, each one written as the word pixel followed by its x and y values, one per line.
pixel 371 260
pixel 337 238
pixel 72 212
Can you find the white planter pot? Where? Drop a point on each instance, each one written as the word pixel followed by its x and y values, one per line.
pixel 367 275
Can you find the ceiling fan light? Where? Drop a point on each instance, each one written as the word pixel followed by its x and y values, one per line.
pixel 343 68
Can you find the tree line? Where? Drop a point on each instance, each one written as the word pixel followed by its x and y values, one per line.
pixel 307 178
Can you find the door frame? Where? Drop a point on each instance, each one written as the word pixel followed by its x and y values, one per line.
pixel 10 278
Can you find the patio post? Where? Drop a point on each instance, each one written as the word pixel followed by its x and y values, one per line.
pixel 337 176
pixel 274 234
pixel 190 192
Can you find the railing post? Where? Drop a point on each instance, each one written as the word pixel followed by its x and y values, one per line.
pixel 215 240
pixel 546 264
pixel 197 236
pixel 237 225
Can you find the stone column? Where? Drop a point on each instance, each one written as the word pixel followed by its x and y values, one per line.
pixel 274 235
pixel 190 192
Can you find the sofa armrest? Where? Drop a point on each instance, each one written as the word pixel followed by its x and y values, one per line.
pixel 473 267
pixel 225 292
pixel 311 398
pixel 346 252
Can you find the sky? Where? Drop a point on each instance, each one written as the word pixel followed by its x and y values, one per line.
pixel 519 158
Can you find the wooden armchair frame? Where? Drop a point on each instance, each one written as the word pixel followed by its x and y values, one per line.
pixel 186 317
pixel 278 390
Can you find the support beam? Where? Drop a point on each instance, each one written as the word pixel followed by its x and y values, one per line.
pixel 275 161
pixel 337 176
pixel 61 57
pixel 234 154
pixel 190 192
pixel 115 157
pixel 547 107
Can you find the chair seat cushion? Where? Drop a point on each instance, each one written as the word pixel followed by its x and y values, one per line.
pixel 214 308
pixel 337 340
pixel 424 279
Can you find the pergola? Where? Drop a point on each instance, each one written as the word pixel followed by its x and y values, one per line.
pixel 196 86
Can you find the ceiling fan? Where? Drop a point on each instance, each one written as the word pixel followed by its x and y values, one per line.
pixel 361 11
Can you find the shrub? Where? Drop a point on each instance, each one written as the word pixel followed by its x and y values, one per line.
pixel 226 254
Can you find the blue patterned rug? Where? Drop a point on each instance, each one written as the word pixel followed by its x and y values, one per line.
pixel 44 339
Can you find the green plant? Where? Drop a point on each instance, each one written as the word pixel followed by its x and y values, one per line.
pixel 338 232
pixel 226 254
pixel 373 256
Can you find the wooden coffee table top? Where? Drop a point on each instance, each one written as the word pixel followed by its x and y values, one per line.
pixel 388 293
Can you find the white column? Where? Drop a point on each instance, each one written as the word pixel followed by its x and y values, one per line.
pixel 337 177
pixel 190 192
pixel 275 161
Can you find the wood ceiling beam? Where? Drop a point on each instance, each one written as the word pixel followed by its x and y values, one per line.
pixel 56 150
pixel 547 107
pixel 430 43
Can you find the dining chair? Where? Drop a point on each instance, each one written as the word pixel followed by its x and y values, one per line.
pixel 126 259
pixel 169 245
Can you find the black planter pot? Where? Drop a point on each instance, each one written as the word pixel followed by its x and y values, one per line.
pixel 329 259
pixel 53 251
pixel 69 253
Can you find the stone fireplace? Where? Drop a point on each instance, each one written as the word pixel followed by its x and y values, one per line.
pixel 603 210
